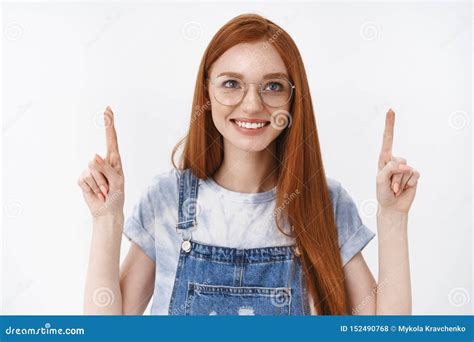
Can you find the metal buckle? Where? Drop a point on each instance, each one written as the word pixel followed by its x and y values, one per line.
pixel 192 227
pixel 186 246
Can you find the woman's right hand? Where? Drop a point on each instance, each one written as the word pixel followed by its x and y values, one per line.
pixel 102 182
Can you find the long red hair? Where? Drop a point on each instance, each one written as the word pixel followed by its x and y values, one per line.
pixel 300 168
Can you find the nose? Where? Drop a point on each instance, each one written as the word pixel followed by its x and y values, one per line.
pixel 252 103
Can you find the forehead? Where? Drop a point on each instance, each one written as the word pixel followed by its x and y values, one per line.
pixel 252 60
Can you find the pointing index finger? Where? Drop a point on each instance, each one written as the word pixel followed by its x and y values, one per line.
pixel 110 134
pixel 387 142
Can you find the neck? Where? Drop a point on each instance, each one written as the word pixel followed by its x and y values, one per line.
pixel 244 171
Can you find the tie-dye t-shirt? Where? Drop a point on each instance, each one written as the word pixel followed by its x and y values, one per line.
pixel 225 218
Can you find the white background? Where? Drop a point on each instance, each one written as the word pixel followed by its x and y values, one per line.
pixel 63 63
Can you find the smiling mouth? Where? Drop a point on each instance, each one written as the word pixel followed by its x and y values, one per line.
pixel 250 125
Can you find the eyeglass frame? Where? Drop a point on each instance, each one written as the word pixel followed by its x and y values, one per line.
pixel 259 91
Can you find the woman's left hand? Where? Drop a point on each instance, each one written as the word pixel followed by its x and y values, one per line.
pixel 396 180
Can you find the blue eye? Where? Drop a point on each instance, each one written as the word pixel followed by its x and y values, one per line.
pixel 273 86
pixel 231 84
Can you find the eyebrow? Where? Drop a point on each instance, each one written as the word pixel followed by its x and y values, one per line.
pixel 267 76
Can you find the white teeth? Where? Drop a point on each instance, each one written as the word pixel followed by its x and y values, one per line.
pixel 252 125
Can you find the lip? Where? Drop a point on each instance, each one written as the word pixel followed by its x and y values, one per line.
pixel 249 131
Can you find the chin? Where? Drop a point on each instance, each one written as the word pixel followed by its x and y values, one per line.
pixel 249 145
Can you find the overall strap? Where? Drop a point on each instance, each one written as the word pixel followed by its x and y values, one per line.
pixel 188 189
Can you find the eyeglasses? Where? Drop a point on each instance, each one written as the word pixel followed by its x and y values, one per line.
pixel 274 92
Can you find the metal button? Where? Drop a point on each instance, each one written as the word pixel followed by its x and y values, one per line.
pixel 186 246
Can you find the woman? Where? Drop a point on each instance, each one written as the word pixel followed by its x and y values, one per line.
pixel 248 223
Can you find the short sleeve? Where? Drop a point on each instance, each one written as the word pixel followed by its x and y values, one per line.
pixel 353 234
pixel 140 225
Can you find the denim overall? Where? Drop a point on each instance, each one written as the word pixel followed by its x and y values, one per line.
pixel 214 280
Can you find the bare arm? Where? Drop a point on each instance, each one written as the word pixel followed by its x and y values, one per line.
pixel 137 281
pixel 109 290
pixel 391 295
pixel 396 189
pixel 360 287
pixel 394 289
pixel 102 292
